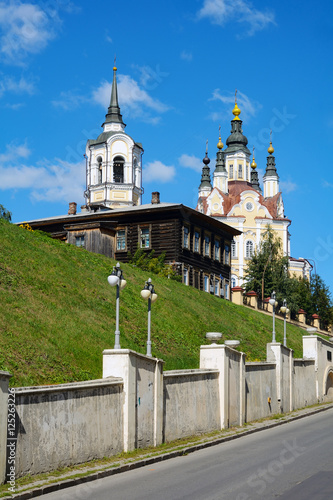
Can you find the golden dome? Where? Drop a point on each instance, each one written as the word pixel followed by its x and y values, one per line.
pixel 114 68
pixel 253 164
pixel 270 149
pixel 236 112
pixel 220 143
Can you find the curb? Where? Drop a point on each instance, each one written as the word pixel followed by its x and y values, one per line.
pixel 67 483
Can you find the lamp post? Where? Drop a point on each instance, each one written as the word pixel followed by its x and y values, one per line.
pixel 273 303
pixel 116 279
pixel 284 309
pixel 148 293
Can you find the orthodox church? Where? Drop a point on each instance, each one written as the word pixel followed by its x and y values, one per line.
pixel 235 197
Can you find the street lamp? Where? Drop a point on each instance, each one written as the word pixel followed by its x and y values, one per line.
pixel 148 293
pixel 273 303
pixel 284 309
pixel 116 279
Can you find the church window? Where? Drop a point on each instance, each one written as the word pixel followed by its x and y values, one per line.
pixel 121 239
pixel 145 237
pixel 240 171
pixel 99 172
pixel 196 241
pixel 231 171
pixel 249 249
pixel 118 170
pixel 233 250
pixel 233 281
pixel 79 241
pixel 185 237
pixel 207 246
pixel 247 173
pixel 249 206
pixel 217 250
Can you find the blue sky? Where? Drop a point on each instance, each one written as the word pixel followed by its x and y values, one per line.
pixel 179 64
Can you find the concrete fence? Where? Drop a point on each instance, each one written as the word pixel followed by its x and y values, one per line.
pixel 136 404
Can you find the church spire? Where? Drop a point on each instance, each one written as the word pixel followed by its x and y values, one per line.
pixel 254 175
pixel 271 178
pixel 205 185
pixel 220 176
pixel 113 115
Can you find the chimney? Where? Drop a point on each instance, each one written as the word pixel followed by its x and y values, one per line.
pixel 155 198
pixel 72 208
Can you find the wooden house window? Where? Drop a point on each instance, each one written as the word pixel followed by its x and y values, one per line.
pixel 207 246
pixel 196 241
pixel 121 240
pixel 217 286
pixel 185 276
pixel 217 250
pixel 145 237
pixel 79 241
pixel 206 283
pixel 186 242
pixel 227 255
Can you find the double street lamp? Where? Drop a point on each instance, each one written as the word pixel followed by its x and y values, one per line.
pixel 284 309
pixel 148 293
pixel 273 303
pixel 116 279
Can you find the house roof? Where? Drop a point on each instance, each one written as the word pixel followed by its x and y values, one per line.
pixel 116 213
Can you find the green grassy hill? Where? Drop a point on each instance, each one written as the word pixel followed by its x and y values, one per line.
pixel 57 314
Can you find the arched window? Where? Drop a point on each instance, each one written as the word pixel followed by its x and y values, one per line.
pixel 249 249
pixel 118 169
pixel 99 173
pixel 233 281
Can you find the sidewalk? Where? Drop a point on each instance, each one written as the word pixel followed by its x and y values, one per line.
pixel 115 465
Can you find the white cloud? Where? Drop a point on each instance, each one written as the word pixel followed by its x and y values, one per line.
pixel 69 100
pixel 247 106
pixel 288 186
pixel 133 100
pixel 190 161
pixel 47 181
pixel 26 29
pixel 327 184
pixel 14 152
pixel 157 171
pixel 221 12
pixel 186 56
pixel 21 86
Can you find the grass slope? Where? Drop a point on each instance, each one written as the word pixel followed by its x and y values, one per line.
pixel 57 314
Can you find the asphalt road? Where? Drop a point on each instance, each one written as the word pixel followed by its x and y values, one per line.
pixel 291 461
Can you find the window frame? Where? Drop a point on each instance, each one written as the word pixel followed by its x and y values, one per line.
pixel 231 171
pixel 121 229
pixel 207 244
pixel 227 254
pixel 233 248
pixel 217 247
pixel 145 228
pixel 186 237
pixel 120 160
pixel 249 255
pixel 206 283
pixel 196 248
pixel 81 238
pixel 240 171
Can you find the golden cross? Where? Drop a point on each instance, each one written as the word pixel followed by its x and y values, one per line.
pixel 235 96
pixel 207 146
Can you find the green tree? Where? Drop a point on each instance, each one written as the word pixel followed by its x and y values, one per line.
pixel 321 301
pixel 267 270
pixel 5 214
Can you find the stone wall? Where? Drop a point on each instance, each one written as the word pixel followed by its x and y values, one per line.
pixel 191 403
pixel 67 424
pixel 137 405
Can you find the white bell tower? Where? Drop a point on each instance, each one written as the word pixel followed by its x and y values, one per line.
pixel 114 162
